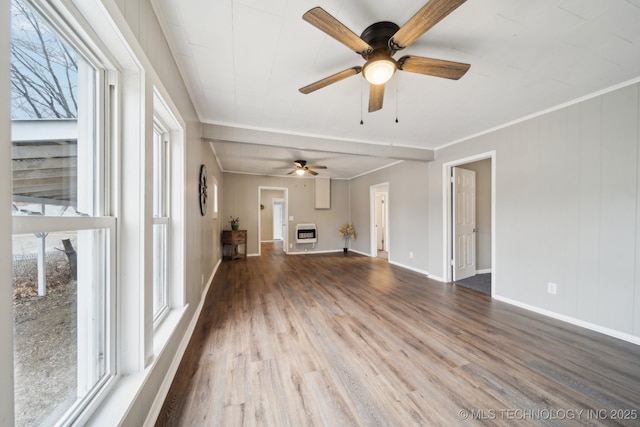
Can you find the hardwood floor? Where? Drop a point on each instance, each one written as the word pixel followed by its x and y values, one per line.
pixel 335 340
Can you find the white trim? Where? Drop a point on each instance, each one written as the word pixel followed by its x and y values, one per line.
pixel 39 224
pixel 294 176
pixel 373 238
pixel 374 170
pixel 163 390
pixel 483 271
pixel 438 279
pixel 572 320
pixel 303 177
pixel 543 112
pixel 446 212
pixel 330 251
pixel 417 270
pixel 312 143
pixel 213 149
pixel 285 236
pixel 326 251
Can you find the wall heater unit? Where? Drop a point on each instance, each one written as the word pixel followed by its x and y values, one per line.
pixel 306 233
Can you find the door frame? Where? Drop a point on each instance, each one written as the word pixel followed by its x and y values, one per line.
pixel 285 232
pixel 372 229
pixel 447 214
pixel 382 211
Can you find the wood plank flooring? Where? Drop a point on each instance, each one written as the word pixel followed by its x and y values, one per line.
pixel 335 340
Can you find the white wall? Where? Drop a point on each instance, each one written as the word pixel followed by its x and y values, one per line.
pixel 140 26
pixel 408 213
pixel 567 199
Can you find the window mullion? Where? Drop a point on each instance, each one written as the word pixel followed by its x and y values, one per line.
pixel 31 224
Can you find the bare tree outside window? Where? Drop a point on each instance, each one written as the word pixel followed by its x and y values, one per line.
pixel 54 364
pixel 43 69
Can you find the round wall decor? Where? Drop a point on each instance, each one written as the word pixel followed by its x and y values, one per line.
pixel 202 190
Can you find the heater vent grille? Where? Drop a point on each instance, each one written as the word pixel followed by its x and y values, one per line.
pixel 306 233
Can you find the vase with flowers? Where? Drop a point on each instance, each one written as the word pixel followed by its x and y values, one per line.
pixel 235 223
pixel 347 232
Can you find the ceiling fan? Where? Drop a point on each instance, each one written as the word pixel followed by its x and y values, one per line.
pixel 380 41
pixel 301 168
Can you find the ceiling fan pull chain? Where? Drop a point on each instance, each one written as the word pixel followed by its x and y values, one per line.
pixel 361 95
pixel 397 91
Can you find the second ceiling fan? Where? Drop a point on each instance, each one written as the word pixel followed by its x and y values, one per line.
pixel 301 168
pixel 379 42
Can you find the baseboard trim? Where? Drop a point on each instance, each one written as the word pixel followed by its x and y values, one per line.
pixel 416 270
pixel 572 320
pixel 438 279
pixel 163 390
pixel 483 271
pixel 314 252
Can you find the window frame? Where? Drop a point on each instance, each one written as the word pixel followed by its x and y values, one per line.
pixel 101 215
pixel 125 203
pixel 161 219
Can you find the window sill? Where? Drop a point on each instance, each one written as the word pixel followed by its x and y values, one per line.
pixel 116 404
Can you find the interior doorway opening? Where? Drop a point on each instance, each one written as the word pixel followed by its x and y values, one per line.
pixel 469 246
pixel 272 215
pixel 278 219
pixel 379 200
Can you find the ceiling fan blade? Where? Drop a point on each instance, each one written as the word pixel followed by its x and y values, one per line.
pixel 292 172
pixel 317 167
pixel 310 171
pixel 433 67
pixel 376 95
pixel 320 18
pixel 330 80
pixel 430 14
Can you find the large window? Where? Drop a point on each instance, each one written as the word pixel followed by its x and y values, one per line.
pixel 161 199
pixel 63 231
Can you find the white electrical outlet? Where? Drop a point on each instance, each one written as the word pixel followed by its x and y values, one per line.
pixel 552 288
pixel 411 255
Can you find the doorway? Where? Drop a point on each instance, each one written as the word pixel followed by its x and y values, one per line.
pixel 469 213
pixel 379 199
pixel 272 215
pixel 278 219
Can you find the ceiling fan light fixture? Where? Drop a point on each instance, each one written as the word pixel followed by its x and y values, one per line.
pixel 379 70
pixel 300 171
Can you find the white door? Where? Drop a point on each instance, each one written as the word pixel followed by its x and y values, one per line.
pixel 278 218
pixel 464 223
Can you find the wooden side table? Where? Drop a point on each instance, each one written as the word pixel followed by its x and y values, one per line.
pixel 232 243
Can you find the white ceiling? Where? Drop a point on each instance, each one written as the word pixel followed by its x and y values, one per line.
pixel 244 60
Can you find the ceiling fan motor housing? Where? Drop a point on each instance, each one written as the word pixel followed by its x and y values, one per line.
pixel 377 36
